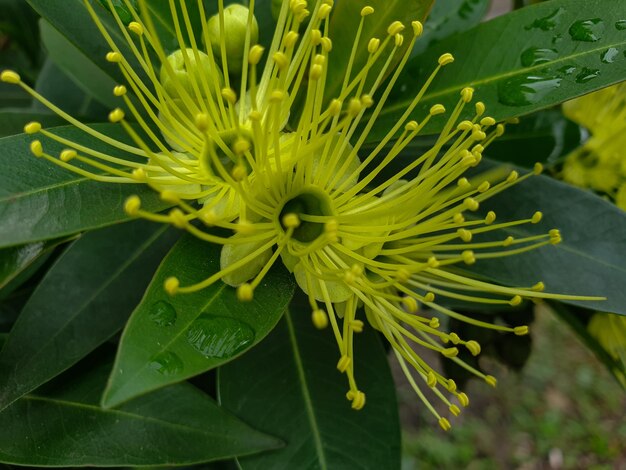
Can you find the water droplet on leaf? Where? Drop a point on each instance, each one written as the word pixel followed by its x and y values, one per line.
pixel 567 69
pixel 587 30
pixel 167 363
pixel 587 74
pixel 162 313
pixel 219 337
pixel 537 55
pixel 549 22
pixel 522 91
pixel 620 25
pixel 608 56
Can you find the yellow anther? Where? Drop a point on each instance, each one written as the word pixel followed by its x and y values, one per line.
pixel 116 115
pixel 536 218
pixel 277 96
pixel 402 275
pixel 68 155
pixel 508 241
pixel 113 57
pixel 170 196
pixel 316 72
pixel 255 116
pixel 446 59
pixel 445 424
pixel 434 323
pixel 290 220
pixel 132 205
pixel 437 109
pixel 491 380
pixel 290 39
pixel 539 287
pixel 432 262
pixel 455 410
pixel 478 135
pixel 395 28
pixel 454 338
pixel 255 55
pixel 319 319
pixel 480 108
pixel 209 217
pixel 344 363
pixel 431 379
pixel 398 40
pixel 177 218
pixel 241 146
pixel 32 127
pixel 487 121
pixel 327 44
pixel 331 226
pixel 521 330
pixel 410 304
pixel 324 11
pixel 229 95
pixel 359 401
pixel 465 126
pixel 373 45
pixel 135 28
pixel 9 76
pixel 463 399
pixel 429 297
pixel 515 301
pixel 245 292
pixel 411 126
pixel 316 37
pixel 555 236
pixel 464 182
pixel 512 177
pixel 139 174
pixel 468 159
pixel 473 347
pixel 357 326
pixel 478 148
pixel 239 172
pixel 451 385
pixel 366 11
pixel 171 285
pixel 367 101
pixel 450 352
pixel 538 168
pixel 281 60
pixel 499 130
pixel 244 227
pixel 464 235
pixel 468 257
pixel 467 94
pixel 36 148
pixel 120 90
pixel 354 107
pixel 490 218
pixel 202 121
pixel 471 203
pixel 418 28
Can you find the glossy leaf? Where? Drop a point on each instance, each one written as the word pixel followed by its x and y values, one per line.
pixel 449 17
pixel 84 299
pixel 289 386
pixel 171 338
pixel 64 427
pixel 343 29
pixel 12 120
pixel 590 260
pixel 518 63
pixel 40 201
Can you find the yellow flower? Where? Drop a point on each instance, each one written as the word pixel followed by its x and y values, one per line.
pixel 610 331
pixel 288 173
pixel 600 164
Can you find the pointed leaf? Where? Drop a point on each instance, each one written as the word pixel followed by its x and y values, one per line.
pixel 546 53
pixel 40 201
pixel 171 338
pixel 65 427
pixel 83 300
pixel 289 386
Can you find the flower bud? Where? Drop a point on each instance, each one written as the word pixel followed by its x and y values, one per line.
pixel 187 71
pixel 235 30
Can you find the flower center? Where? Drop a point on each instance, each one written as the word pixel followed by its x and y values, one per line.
pixel 309 205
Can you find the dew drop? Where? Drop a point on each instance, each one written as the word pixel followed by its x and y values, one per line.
pixel 586 75
pixel 167 363
pixel 549 22
pixel 219 337
pixel 587 30
pixel 162 313
pixel 537 55
pixel 557 39
pixel 567 69
pixel 620 25
pixel 522 91
pixel 609 56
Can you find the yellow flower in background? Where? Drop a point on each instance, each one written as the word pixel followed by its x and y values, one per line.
pixel 600 164
pixel 259 150
pixel 610 331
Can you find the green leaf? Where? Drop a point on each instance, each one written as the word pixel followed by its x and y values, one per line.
pixel 289 386
pixel 65 427
pixel 171 338
pixel 84 299
pixel 343 29
pixel 40 201
pixel 590 260
pixel 12 120
pixel 520 62
pixel 449 17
